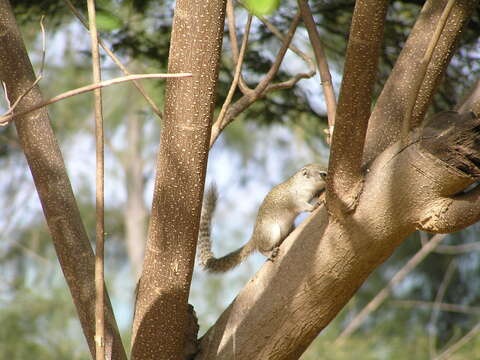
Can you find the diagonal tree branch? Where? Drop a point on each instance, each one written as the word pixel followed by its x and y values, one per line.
pixel 53 186
pixel 408 122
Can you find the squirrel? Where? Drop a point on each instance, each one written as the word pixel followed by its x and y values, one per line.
pixel 275 219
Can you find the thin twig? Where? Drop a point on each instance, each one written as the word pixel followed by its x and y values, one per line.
pixel 452 249
pixel 432 338
pixel 411 101
pixel 7 117
pixel 248 99
pixel 383 294
pixel 325 77
pixel 39 77
pixel 115 59
pixel 100 199
pixel 234 44
pixel 238 71
pixel 448 352
pixel 441 306
pixel 265 85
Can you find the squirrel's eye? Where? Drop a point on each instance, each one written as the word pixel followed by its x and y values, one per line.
pixel 323 174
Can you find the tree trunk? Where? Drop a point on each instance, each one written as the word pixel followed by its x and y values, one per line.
pixel 160 323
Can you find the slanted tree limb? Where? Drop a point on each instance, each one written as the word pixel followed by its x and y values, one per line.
pixel 323 262
pixel 53 186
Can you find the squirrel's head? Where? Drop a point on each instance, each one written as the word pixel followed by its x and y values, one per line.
pixel 315 174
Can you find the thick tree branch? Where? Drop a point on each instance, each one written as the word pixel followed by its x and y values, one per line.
pixel 423 67
pixel 356 94
pixel 386 120
pixel 472 100
pixel 323 262
pixel 160 322
pixel 53 186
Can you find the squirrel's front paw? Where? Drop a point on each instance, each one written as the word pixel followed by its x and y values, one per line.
pixel 274 253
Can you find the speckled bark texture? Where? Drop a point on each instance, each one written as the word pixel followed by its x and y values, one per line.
pixel 324 261
pixel 53 186
pixel 386 120
pixel 354 103
pixel 160 321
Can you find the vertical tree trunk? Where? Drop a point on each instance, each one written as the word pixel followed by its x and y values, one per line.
pixel 161 313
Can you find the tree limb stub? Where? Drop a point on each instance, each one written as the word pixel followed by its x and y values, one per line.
pixel 323 262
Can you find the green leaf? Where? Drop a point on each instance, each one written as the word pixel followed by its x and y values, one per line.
pixel 107 21
pixel 262 7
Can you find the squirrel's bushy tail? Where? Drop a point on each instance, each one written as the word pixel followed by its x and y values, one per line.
pixel 207 259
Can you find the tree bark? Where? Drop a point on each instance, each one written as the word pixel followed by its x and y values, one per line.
pixel 386 121
pixel 160 322
pixel 324 261
pixel 345 180
pixel 53 186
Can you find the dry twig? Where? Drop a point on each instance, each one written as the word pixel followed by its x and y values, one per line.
pixel 249 98
pixel 383 294
pixel 452 249
pixel 432 338
pixel 9 116
pixel 238 72
pixel 100 199
pixel 325 77
pixel 115 59
pixel 449 351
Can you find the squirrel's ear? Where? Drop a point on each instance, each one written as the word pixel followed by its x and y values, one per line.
pixel 305 172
